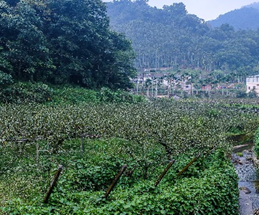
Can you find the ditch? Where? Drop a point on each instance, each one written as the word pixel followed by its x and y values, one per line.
pixel 248 179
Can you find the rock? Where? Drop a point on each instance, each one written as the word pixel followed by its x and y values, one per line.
pixel 238 161
pixel 245 190
pixel 256 211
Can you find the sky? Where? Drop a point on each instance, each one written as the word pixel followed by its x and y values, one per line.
pixel 205 9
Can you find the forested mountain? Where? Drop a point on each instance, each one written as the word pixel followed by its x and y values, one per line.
pixel 170 37
pixel 244 18
pixel 62 41
pixel 254 5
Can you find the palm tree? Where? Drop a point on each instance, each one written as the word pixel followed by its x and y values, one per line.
pixel 148 84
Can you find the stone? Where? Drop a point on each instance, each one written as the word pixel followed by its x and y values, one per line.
pixel 245 190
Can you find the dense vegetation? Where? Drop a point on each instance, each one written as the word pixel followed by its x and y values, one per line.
pixel 57 41
pixel 26 92
pixel 94 132
pixel 244 18
pixel 145 136
pixel 256 140
pixel 170 37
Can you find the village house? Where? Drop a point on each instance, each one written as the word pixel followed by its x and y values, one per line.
pixel 206 87
pixel 164 81
pixel 252 83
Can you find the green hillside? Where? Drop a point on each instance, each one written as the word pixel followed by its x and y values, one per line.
pixel 242 19
pixel 171 37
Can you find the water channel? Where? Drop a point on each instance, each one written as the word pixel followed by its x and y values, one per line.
pixel 248 182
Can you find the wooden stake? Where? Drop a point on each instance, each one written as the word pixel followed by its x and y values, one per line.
pixel 194 159
pixel 82 146
pixel 164 172
pixel 52 185
pixel 124 167
pixel 37 154
pixel 189 164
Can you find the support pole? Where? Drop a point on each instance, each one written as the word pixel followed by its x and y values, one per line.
pixel 52 185
pixel 124 167
pixel 82 146
pixel 189 164
pixel 164 172
pixel 37 153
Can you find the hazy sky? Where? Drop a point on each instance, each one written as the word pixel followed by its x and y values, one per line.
pixel 205 9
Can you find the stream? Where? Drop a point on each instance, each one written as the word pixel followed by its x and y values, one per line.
pixel 248 182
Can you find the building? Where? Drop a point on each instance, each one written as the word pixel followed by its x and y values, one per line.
pixel 252 83
pixel 206 87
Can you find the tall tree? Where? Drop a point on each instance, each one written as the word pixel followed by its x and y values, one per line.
pixel 64 41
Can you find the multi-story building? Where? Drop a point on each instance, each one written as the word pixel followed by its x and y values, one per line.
pixel 252 83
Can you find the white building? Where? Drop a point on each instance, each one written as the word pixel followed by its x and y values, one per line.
pixel 252 83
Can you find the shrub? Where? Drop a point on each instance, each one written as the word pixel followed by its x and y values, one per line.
pixel 213 191
pixel 256 139
pixel 252 94
pixel 21 92
pixel 74 95
pixel 26 92
pixel 5 79
pixel 107 95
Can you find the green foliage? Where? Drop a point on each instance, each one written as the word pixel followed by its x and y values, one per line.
pixel 62 42
pixel 92 142
pixel 240 154
pixel 172 38
pixel 256 140
pixel 82 185
pixel 26 92
pixel 5 80
pixel 74 95
pixel 241 94
pixel 241 19
pixel 206 124
pixel 252 94
pixel 107 95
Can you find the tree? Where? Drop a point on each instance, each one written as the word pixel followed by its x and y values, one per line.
pixel 64 41
pixel 170 37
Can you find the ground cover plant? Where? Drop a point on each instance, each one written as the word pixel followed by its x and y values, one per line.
pixel 93 141
pixel 257 142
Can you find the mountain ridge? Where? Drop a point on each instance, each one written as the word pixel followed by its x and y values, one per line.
pixel 245 18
